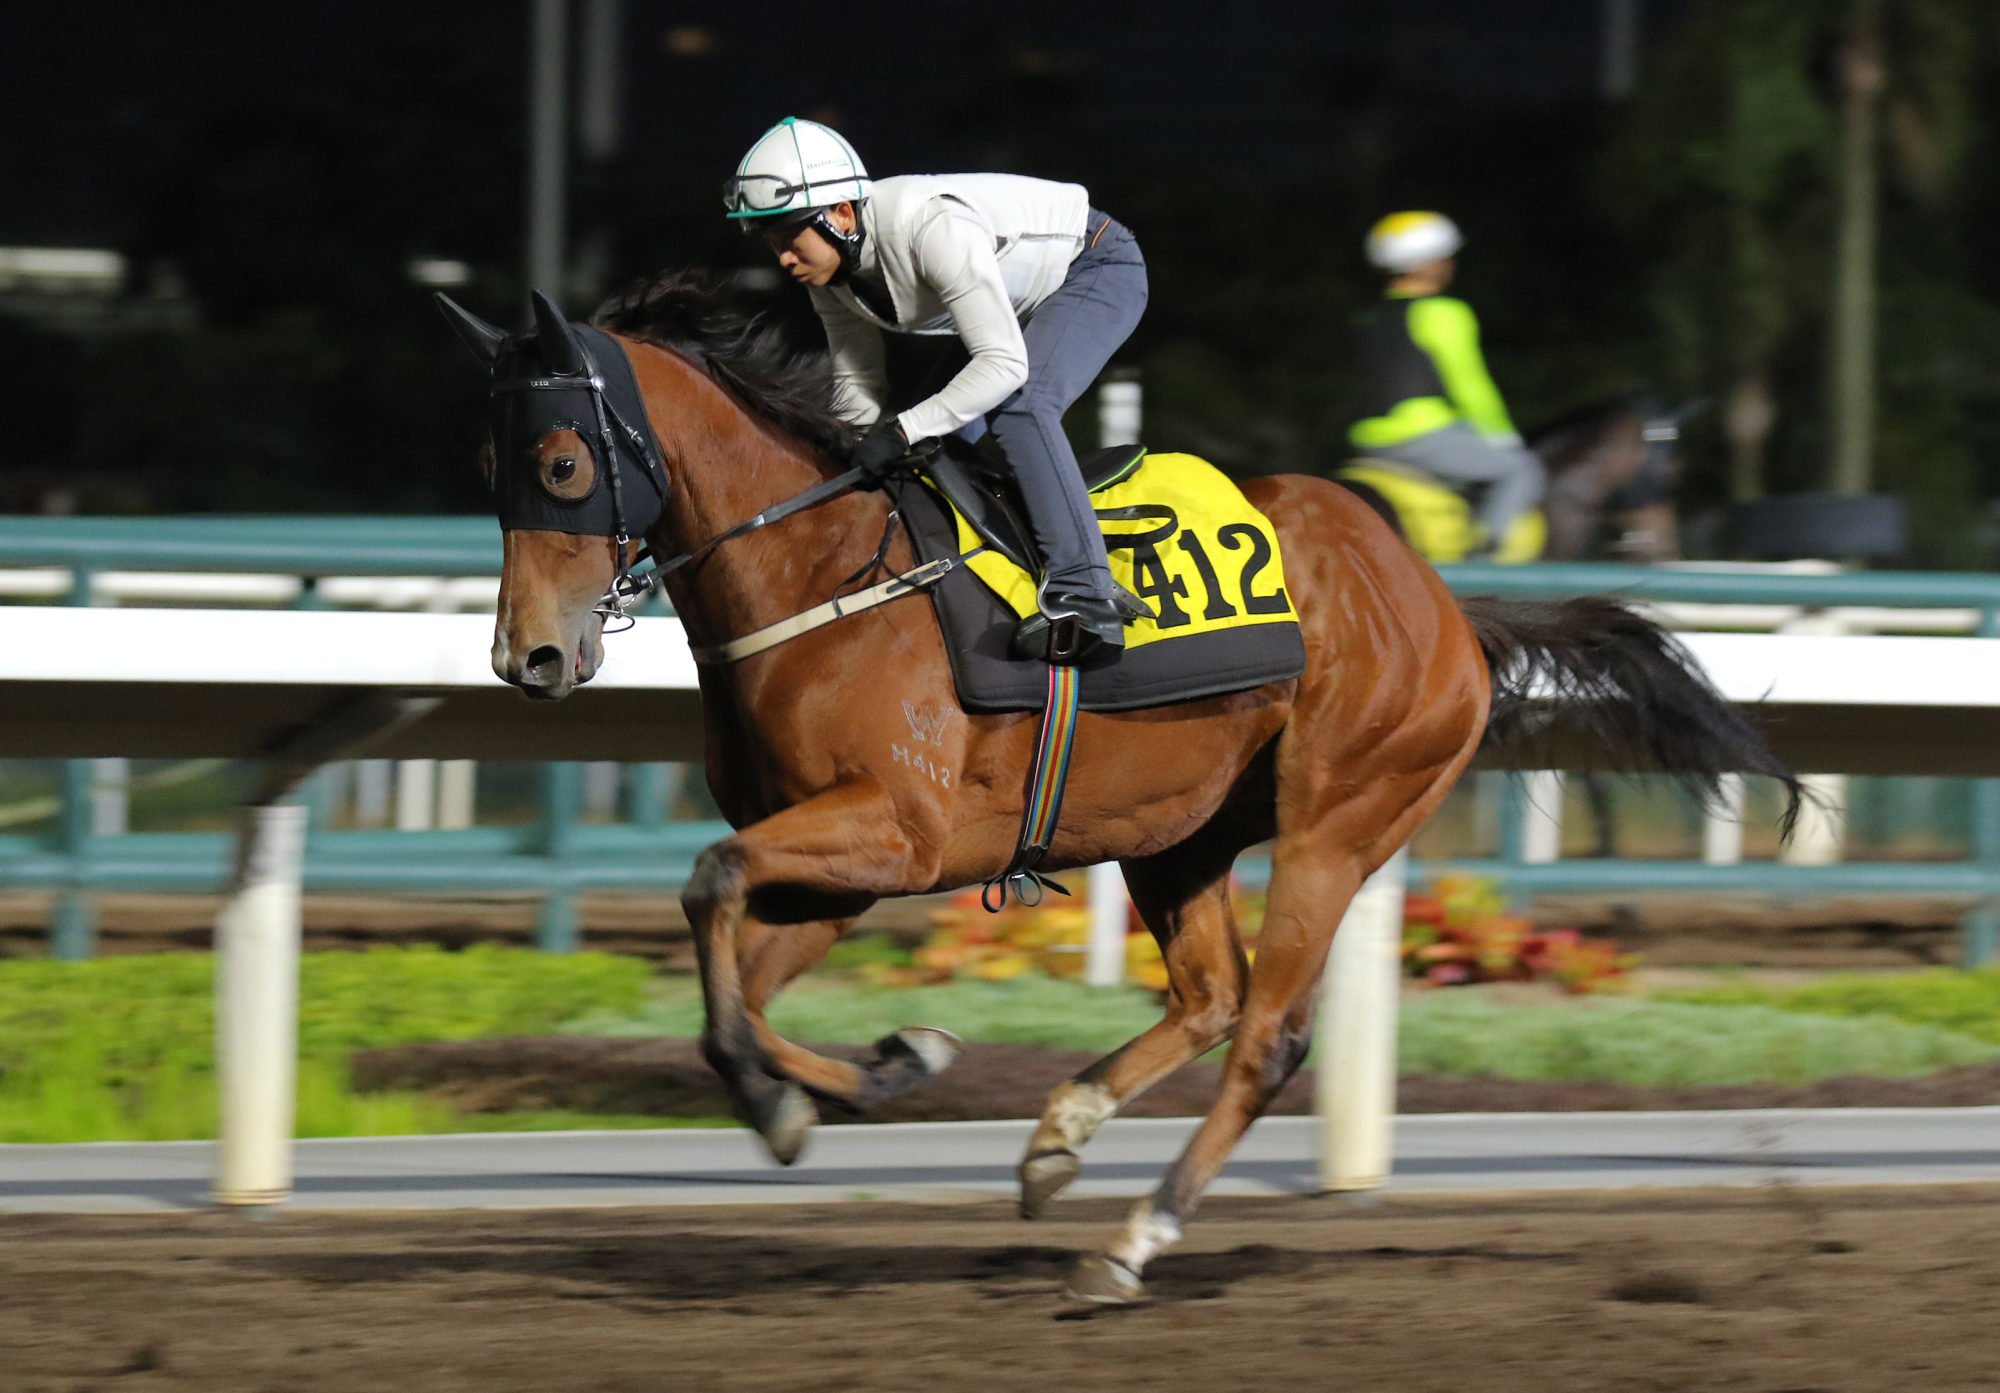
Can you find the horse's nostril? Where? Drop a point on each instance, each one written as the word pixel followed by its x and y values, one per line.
pixel 545 666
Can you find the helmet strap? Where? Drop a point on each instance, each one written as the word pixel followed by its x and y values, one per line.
pixel 848 244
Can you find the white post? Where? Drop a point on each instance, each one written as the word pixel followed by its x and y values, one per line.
pixel 601 779
pixel 416 795
pixel 1722 833
pixel 257 1000
pixel 1542 817
pixel 110 797
pixel 1105 964
pixel 1822 830
pixel 373 792
pixel 1822 825
pixel 1119 408
pixel 1355 1073
pixel 456 792
pixel 1118 414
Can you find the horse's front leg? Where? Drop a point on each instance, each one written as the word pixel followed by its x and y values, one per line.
pixel 771 956
pixel 812 865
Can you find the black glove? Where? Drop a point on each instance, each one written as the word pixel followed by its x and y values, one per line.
pixel 880 449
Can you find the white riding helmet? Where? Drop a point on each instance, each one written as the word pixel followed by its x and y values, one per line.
pixel 794 168
pixel 1403 241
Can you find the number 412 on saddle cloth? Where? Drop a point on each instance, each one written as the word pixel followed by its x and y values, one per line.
pixel 1183 538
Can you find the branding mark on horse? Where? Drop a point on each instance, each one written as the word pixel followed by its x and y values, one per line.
pixel 930 768
pixel 926 722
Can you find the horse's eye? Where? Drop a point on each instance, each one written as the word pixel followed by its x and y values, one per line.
pixel 562 470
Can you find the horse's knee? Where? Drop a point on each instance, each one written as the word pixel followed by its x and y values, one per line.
pixel 717 879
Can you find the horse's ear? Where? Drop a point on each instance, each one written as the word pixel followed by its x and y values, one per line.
pixel 475 333
pixel 561 353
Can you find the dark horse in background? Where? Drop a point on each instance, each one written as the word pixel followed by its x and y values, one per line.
pixel 1336 768
pixel 1613 468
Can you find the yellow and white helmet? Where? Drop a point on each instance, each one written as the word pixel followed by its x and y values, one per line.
pixel 795 167
pixel 1403 241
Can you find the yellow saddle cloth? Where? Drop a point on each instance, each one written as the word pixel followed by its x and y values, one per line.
pixel 1183 538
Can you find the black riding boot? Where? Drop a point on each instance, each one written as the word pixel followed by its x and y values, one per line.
pixel 1074 628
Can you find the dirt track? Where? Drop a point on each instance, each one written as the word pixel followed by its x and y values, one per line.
pixel 1780 1291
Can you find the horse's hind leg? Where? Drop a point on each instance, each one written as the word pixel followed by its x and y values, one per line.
pixel 1317 864
pixel 1270 1043
pixel 1184 900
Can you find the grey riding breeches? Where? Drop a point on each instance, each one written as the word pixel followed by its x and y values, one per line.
pixel 1460 454
pixel 1070 337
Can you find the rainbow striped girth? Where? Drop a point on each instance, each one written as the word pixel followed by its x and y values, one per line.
pixel 1046 781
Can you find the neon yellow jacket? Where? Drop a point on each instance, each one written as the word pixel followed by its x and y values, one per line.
pixel 1423 371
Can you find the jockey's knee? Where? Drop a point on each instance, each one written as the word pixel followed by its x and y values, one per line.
pixel 1534 474
pixel 1026 409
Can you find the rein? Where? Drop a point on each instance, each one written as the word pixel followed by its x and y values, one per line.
pixel 630 587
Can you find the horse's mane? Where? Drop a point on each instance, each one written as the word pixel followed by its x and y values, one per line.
pixel 698 317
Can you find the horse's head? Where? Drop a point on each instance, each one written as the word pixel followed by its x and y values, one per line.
pixel 577 484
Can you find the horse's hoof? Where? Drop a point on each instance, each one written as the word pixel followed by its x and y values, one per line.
pixel 932 1050
pixel 1104 1281
pixel 784 1118
pixel 1045 1175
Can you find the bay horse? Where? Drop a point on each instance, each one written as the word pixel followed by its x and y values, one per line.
pixel 1336 768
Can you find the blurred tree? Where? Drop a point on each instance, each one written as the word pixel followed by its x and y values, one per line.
pixel 1719 177
pixel 1745 175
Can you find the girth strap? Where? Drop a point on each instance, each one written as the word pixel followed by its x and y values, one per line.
pixel 1050 776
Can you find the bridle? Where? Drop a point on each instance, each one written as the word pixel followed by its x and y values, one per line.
pixel 617 439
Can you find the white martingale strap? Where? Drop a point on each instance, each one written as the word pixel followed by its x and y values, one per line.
pixel 771 635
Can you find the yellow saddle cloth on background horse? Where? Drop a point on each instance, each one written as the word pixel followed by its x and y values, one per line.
pixel 1434 517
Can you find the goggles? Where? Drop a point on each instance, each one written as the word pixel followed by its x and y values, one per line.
pixel 759 195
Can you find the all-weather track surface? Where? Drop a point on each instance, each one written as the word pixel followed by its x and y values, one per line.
pixel 1776 1288
pixel 1437 1153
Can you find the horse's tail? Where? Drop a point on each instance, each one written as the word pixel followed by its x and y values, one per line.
pixel 1625 683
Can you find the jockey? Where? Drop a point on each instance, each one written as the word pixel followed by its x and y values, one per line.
pixel 1429 401
pixel 1038 286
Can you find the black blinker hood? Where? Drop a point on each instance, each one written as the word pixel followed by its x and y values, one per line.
pixel 542 382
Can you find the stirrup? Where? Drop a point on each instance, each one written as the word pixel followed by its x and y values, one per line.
pixel 1061 639
pixel 1061 635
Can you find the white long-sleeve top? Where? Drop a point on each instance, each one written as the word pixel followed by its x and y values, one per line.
pixel 964 254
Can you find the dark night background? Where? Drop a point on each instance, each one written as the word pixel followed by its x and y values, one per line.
pixel 269 172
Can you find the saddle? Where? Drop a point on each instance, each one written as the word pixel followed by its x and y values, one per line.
pixel 988 498
pixel 1178 533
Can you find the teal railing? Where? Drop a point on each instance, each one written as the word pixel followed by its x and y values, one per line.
pixel 555 858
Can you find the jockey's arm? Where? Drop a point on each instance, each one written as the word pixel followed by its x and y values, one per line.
pixel 1447 330
pixel 955 257
pixel 859 360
